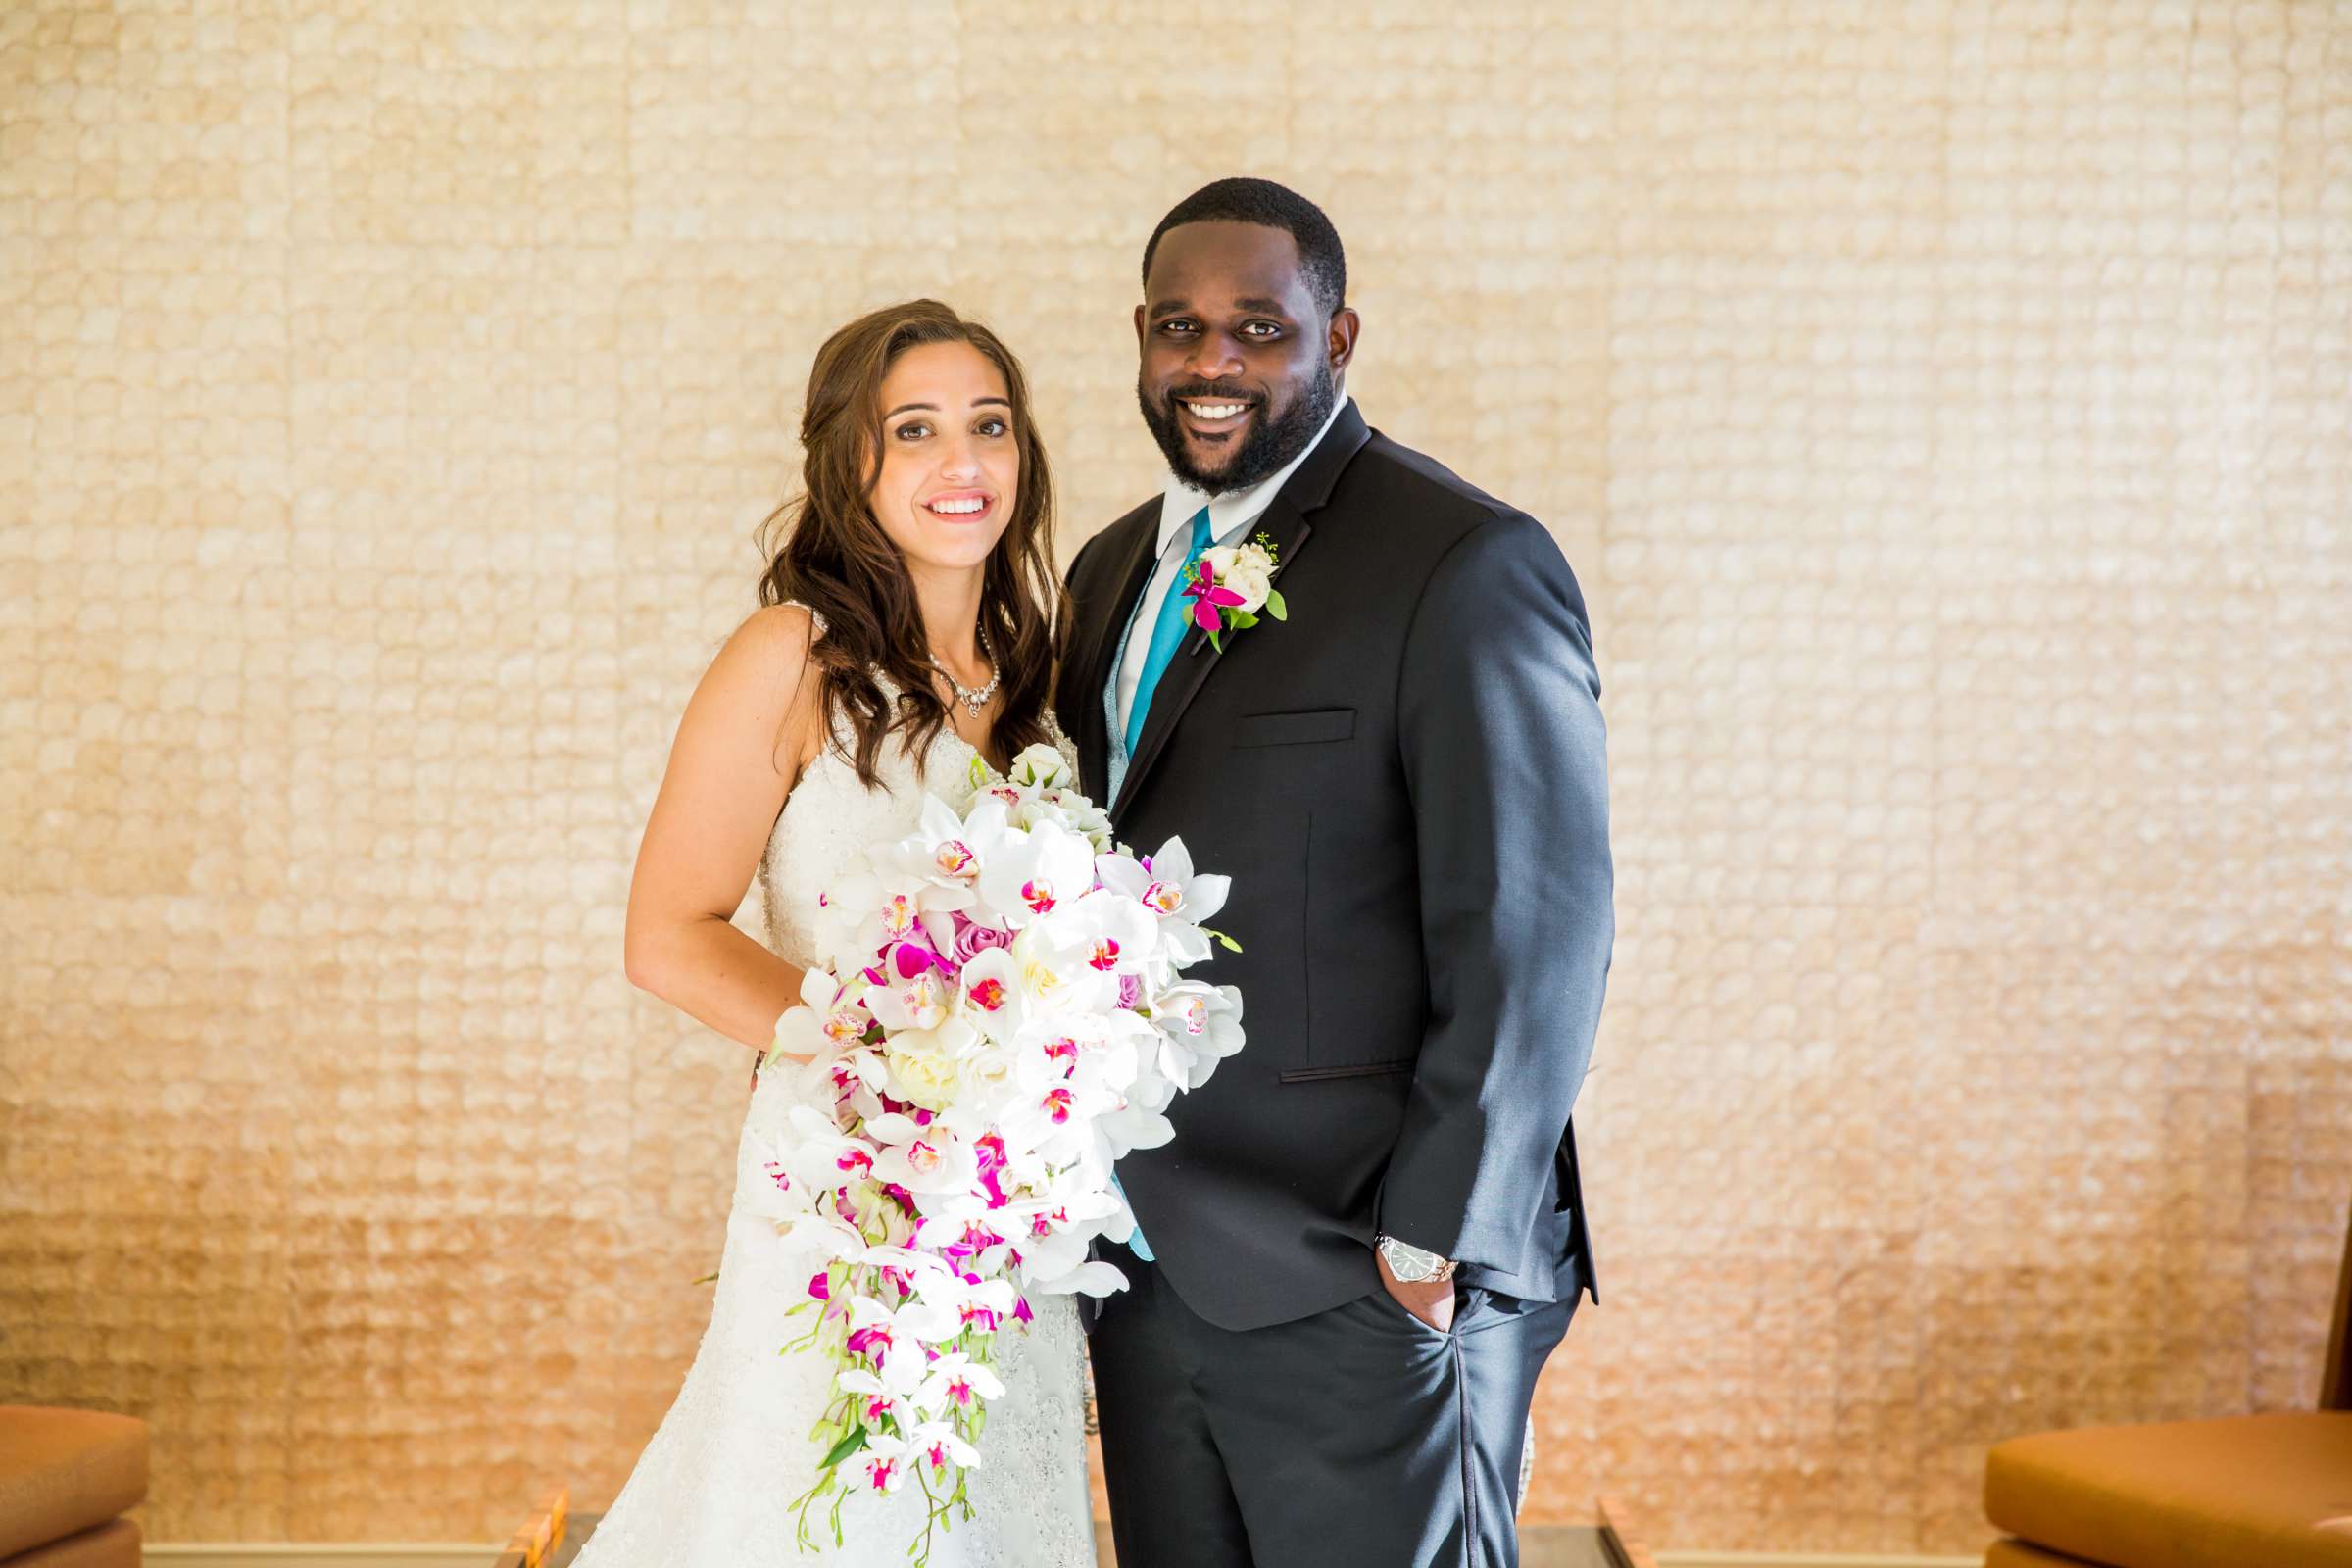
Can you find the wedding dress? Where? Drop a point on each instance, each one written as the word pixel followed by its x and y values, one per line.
pixel 716 1486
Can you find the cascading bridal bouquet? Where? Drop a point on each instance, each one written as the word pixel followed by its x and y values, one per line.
pixel 996 1017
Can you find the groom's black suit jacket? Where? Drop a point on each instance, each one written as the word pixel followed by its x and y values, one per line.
pixel 1405 781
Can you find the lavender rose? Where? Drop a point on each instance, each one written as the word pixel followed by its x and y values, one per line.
pixel 971 941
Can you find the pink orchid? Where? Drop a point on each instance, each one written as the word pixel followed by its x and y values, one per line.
pixel 1208 598
pixel 917 954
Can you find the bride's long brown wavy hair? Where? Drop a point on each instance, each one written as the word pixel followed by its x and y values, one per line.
pixel 835 557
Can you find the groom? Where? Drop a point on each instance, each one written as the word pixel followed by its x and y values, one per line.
pixel 1367 1234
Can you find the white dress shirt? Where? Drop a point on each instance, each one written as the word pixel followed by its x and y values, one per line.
pixel 1230 516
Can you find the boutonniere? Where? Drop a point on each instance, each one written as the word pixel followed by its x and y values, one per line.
pixel 1230 585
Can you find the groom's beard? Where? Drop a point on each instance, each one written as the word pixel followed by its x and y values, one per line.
pixel 1269 445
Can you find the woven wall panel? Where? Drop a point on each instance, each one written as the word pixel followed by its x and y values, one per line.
pixel 1947 405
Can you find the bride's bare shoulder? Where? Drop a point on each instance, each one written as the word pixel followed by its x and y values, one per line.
pixel 761 683
pixel 765 657
pixel 780 631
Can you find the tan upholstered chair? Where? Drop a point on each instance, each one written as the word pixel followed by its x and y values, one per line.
pixel 2241 1491
pixel 66 1476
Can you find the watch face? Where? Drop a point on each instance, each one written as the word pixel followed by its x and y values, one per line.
pixel 1409 1263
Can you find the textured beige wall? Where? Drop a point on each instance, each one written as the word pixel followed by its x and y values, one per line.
pixel 1948 406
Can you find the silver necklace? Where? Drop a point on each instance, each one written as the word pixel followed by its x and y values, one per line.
pixel 974 701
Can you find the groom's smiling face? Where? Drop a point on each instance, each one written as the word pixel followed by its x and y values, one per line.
pixel 1239 367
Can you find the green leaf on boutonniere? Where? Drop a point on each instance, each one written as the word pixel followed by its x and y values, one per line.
pixel 1241 620
pixel 1275 606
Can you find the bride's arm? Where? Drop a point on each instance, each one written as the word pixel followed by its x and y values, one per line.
pixel 749 728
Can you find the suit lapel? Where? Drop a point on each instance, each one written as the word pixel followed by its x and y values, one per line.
pixel 1124 576
pixel 1286 524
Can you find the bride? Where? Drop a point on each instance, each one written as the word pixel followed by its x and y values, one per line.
pixel 906 641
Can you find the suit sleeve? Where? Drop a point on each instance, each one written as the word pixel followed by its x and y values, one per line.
pixel 1498 711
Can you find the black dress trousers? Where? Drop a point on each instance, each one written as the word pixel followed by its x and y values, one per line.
pixel 1356 1438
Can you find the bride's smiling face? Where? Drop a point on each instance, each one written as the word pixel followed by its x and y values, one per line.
pixel 950 466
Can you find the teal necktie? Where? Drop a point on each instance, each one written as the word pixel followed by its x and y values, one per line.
pixel 1167 633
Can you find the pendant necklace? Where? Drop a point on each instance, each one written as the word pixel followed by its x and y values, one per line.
pixel 973 701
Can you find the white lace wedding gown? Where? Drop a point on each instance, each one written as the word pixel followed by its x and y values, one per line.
pixel 714 1487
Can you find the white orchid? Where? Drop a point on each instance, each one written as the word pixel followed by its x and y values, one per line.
pixel 1103 931
pixel 1055 1226
pixel 939 1445
pixel 819 1156
pixel 1059 1119
pixel 899 1334
pixel 830 1014
pixel 1058 975
pixel 919 1000
pixel 964 1229
pixel 925 1159
pixel 1095 1278
pixel 994 1000
pixel 883 1460
pixel 870 913
pixel 945 852
pixel 878 1401
pixel 818 1240
pixel 1126 1128
pixel 1036 872
pixel 1174 891
pixel 957 1382
pixel 835 1076
pixel 1199 1025
pixel 909 1262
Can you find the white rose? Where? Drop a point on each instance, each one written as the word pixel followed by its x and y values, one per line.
pixel 1038 766
pixel 922 1061
pixel 925 1079
pixel 1246 570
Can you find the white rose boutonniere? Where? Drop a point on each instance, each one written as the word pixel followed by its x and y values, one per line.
pixel 1230 585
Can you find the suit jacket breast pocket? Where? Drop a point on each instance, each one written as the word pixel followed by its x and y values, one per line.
pixel 1292 729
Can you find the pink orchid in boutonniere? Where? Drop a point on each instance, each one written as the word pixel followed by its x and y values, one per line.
pixel 1230 585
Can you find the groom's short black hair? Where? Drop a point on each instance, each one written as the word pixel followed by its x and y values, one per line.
pixel 1262 201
